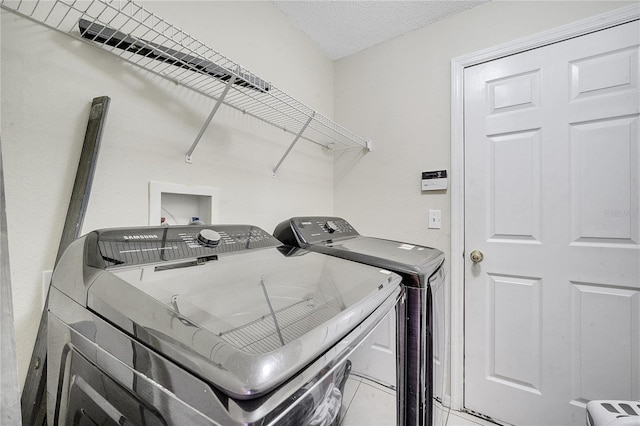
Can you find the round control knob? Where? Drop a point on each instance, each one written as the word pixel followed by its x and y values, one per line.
pixel 208 238
pixel 331 226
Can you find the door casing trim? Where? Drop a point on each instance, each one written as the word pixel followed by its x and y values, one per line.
pixel 565 32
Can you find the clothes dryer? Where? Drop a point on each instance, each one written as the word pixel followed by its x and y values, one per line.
pixel 423 277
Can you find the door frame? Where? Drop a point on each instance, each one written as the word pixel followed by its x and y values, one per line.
pixel 457 261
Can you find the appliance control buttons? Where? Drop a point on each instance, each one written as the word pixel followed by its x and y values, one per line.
pixel 209 238
pixel 331 226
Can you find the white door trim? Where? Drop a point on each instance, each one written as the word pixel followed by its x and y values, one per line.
pixel 579 28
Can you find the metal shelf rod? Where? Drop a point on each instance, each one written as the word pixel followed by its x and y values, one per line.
pixel 275 169
pixel 208 121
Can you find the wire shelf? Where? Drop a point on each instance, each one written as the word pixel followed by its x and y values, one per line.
pixel 140 37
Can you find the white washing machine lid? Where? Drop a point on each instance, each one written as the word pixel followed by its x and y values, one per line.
pixel 245 320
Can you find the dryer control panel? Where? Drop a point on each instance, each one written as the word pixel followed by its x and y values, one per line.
pixel 137 246
pixel 313 230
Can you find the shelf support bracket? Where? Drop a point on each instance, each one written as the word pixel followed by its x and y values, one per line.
pixel 187 157
pixel 275 169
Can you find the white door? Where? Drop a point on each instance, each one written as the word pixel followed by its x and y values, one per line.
pixel 552 172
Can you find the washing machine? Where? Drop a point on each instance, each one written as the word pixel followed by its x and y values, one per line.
pixel 205 325
pixel 420 324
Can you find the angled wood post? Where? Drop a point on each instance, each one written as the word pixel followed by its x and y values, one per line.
pixel 33 400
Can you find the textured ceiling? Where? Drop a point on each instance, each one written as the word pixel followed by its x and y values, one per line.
pixel 341 28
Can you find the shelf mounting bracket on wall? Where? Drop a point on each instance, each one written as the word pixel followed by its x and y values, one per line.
pixel 275 169
pixel 187 157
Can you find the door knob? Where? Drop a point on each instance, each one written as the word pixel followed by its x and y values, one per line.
pixel 476 256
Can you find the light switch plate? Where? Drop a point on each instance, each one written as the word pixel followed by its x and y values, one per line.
pixel 435 218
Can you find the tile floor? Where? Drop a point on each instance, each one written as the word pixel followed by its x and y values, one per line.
pixel 367 403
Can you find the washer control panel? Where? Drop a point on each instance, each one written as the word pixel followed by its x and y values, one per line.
pixel 136 246
pixel 313 230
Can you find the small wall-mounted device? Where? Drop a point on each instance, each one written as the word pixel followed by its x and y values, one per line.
pixel 434 181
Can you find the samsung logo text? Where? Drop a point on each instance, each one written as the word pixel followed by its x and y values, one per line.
pixel 141 237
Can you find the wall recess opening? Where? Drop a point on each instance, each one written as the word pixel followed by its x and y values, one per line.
pixel 178 204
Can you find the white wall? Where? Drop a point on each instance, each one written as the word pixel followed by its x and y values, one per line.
pixel 398 94
pixel 48 82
